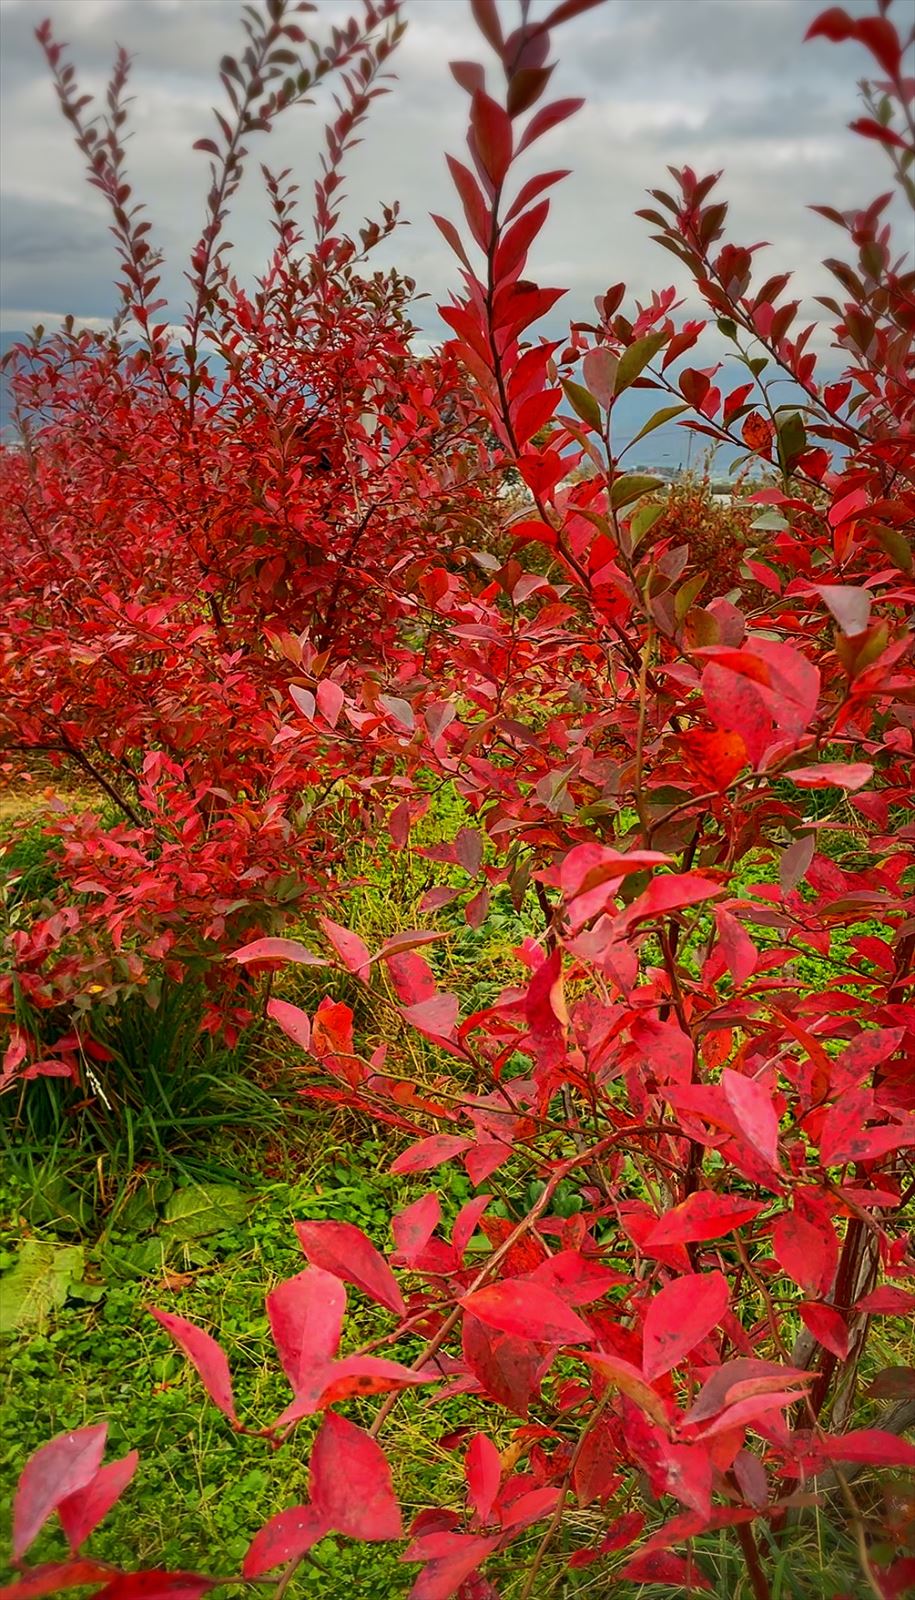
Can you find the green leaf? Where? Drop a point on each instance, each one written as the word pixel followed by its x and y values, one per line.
pixel 770 520
pixel 728 327
pixel 90 1293
pixel 583 403
pixel 687 593
pixel 642 521
pixel 666 414
pixel 634 360
pixel 140 1259
pixel 57 1204
pixel 896 546
pixel 792 437
pixel 631 486
pixel 38 1283
pixel 206 1208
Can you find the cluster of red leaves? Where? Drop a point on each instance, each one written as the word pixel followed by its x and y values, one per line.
pixel 717 531
pixel 682 1352
pixel 191 532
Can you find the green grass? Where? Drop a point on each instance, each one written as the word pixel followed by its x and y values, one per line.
pixel 201 1493
pixel 183 1112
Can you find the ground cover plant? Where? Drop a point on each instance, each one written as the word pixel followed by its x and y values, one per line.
pixel 657 1157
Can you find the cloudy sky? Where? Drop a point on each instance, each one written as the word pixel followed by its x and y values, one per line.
pixel 715 83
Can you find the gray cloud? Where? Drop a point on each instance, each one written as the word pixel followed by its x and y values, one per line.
pixel 716 83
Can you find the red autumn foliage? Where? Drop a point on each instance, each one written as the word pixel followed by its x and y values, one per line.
pixel 740 1144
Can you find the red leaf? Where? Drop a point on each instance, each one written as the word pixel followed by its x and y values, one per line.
pixel 873 1447
pixel 827 1326
pixel 754 1113
pixel 546 118
pixel 351 1482
pixel 742 1413
pixel 672 892
pixel 868 1050
pixel 53 1577
pixel 329 698
pixel 517 240
pixel 285 1538
pixel 408 939
pixel 429 1153
pixel 206 1355
pixel 662 1566
pixel 679 1317
pixel 731 1381
pixel 83 1510
pixel 763 690
pixel 887 1301
pixel 449 1559
pixel 737 947
pixel 508 1369
pixel 577 1279
pixel 411 976
pixel 833 24
pixel 357 1376
pixel 59 1468
pixel 344 1250
pixel 293 1021
pixel 806 1251
pixel 687 1470
pixel 544 1004
pixel 528 1311
pixel 278 950
pixel 483 1471
pixel 628 1380
pixel 435 1018
pixel 702 1215
pixel 156 1584
pixel 332 1030
pixel 832 774
pixel 845 1137
pixel 595 1475
pixel 465 1223
pixel 349 947
pixel 306 1319
pixel 414 1227
pixel 486 17
pixel 491 136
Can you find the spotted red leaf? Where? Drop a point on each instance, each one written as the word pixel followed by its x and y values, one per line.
pixel 431 1152
pixel 755 1115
